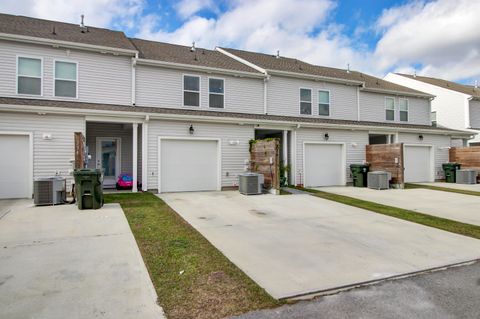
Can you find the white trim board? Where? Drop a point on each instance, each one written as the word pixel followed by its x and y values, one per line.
pixel 188 138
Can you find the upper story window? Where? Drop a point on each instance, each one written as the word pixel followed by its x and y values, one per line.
pixel 324 103
pixel 66 79
pixel 433 117
pixel 306 101
pixel 403 105
pixel 389 108
pixel 29 76
pixel 216 93
pixel 191 90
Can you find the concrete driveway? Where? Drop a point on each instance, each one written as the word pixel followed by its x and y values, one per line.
pixel 58 262
pixel 463 208
pixel 467 187
pixel 299 244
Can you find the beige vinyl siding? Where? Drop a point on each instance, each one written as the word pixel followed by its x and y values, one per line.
pixel 355 142
pixel 123 131
pixel 475 114
pixel 284 98
pixel 233 156
pixel 162 87
pixel 441 144
pixel 49 156
pixel 372 108
pixel 102 78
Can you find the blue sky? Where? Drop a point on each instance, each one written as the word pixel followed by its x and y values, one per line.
pixel 435 38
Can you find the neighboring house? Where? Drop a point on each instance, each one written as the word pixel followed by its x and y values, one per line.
pixel 180 118
pixel 455 106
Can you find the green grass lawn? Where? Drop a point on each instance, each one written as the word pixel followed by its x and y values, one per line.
pixel 409 215
pixel 192 278
pixel 444 189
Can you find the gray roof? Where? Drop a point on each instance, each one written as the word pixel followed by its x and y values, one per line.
pixel 182 54
pixel 462 88
pixel 218 114
pixel 54 30
pixel 271 62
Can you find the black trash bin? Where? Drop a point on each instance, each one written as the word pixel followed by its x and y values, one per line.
pixel 359 174
pixel 450 170
pixel 88 188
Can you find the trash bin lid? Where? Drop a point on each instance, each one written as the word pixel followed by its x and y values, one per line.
pixel 87 171
pixel 359 165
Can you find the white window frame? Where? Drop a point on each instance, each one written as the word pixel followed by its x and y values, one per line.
pixel 224 92
pixel 55 78
pixel 394 108
pixel 41 74
pixel 300 101
pixel 400 109
pixel 329 102
pixel 199 91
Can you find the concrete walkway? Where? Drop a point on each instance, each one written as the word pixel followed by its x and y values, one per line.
pixel 467 187
pixel 451 293
pixel 463 208
pixel 295 245
pixel 59 262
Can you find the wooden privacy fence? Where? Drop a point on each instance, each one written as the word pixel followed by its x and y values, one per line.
pixel 265 159
pixel 467 157
pixel 387 157
pixel 79 150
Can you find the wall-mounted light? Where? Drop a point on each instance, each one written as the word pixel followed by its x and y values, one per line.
pixel 231 142
pixel 326 137
pixel 420 137
pixel 191 130
pixel 353 144
pixel 47 136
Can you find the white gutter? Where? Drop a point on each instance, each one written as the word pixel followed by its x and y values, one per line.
pixel 427 96
pixel 139 116
pixel 314 77
pixel 190 67
pixel 67 44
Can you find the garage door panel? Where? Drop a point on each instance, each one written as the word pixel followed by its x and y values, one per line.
pixel 15 176
pixel 418 167
pixel 324 165
pixel 188 165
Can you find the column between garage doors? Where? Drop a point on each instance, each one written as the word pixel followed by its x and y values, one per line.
pixel 189 164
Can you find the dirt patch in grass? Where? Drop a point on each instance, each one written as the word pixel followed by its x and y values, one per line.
pixel 444 189
pixel 409 215
pixel 192 278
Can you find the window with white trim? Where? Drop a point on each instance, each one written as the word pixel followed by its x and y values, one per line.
pixel 29 76
pixel 389 108
pixel 65 79
pixel 433 117
pixel 305 101
pixel 403 106
pixel 191 90
pixel 216 91
pixel 324 103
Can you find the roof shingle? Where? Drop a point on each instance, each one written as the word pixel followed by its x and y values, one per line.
pixel 54 30
pixel 462 88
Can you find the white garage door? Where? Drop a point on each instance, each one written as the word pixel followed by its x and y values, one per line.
pixel 188 165
pixel 418 166
pixel 324 165
pixel 15 175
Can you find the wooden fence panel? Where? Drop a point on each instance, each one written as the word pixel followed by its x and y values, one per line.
pixel 79 150
pixel 260 153
pixel 387 157
pixel 467 157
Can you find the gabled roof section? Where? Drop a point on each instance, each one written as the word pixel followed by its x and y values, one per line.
pixel 462 88
pixel 60 31
pixel 285 64
pixel 180 54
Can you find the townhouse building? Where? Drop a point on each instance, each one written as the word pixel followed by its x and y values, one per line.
pixel 180 118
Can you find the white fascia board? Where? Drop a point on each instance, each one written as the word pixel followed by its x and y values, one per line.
pixel 125 116
pixel 239 59
pixel 400 93
pixel 67 44
pixel 315 77
pixel 190 67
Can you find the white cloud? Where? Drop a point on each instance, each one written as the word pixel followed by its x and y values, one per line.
pixel 98 13
pixel 440 36
pixel 187 8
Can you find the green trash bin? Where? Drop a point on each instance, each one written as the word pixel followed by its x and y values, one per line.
pixel 88 188
pixel 359 174
pixel 450 170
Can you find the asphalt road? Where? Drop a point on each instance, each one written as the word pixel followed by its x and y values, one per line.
pixel 450 293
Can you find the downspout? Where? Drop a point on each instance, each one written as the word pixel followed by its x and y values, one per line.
pixel 134 79
pixel 358 103
pixel 265 93
pixel 467 112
